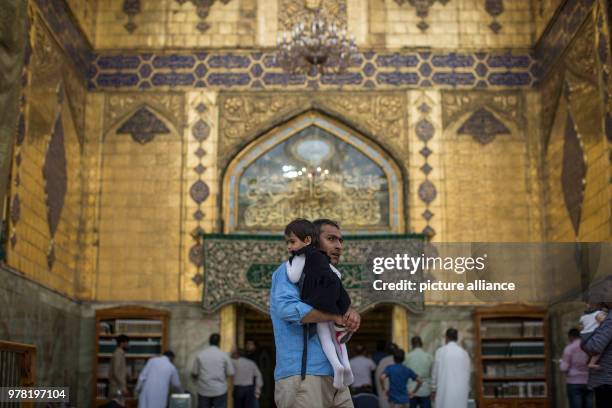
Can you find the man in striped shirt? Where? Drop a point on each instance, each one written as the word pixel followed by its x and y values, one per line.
pixel 600 379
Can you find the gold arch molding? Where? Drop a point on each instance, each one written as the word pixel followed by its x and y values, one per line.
pixel 278 135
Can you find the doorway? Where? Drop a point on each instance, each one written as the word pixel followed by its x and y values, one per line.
pixel 376 330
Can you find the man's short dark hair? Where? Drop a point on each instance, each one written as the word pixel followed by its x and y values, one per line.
pixel 122 338
pixel 214 339
pixel 398 356
pixel 169 354
pixel 318 224
pixel 573 333
pixel 452 334
pixel 359 349
pixel 302 228
pixel 416 342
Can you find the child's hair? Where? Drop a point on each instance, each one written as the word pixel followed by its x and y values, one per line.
pixel 302 228
pixel 398 356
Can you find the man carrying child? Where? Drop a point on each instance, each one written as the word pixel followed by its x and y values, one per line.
pixel 289 314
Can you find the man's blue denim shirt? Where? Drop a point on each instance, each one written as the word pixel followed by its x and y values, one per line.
pixel 287 312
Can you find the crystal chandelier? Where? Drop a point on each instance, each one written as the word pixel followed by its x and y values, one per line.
pixel 315 46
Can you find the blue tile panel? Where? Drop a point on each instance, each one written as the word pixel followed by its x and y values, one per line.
pixel 250 70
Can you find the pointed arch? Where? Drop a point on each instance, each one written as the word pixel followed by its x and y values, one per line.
pixel 361 183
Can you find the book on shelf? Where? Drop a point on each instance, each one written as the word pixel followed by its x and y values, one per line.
pixel 533 328
pixel 139 326
pixel 513 369
pixel 515 389
pixel 512 329
pixel 526 348
pixel 101 389
pixel 501 329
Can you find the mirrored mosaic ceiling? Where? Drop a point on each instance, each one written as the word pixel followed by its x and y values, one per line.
pixel 313 174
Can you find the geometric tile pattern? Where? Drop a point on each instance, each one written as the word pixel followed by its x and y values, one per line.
pixel 425 131
pixel 495 8
pixel 259 70
pixel 143 125
pixel 483 126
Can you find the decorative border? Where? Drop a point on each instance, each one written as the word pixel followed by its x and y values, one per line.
pixel 258 70
pixel 425 131
pixel 254 150
pixel 370 70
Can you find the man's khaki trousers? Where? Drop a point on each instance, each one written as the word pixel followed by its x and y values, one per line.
pixel 314 392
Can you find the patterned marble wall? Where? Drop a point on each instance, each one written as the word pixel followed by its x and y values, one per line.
pixel 46 185
pixel 32 314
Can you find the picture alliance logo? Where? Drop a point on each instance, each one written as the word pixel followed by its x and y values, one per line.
pixel 412 264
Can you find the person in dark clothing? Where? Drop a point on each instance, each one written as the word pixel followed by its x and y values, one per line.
pixel 600 379
pixel 322 289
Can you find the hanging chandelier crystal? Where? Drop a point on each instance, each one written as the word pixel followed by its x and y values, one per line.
pixel 315 46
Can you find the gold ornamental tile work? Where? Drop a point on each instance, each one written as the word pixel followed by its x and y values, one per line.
pixel 508 104
pixel 244 116
pixel 292 12
pixel 578 76
pixel 120 105
pixel 53 93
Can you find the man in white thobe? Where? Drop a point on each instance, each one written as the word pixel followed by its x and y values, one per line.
pixel 451 374
pixel 380 368
pixel 155 380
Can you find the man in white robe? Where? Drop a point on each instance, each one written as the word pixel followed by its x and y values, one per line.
pixel 155 380
pixel 451 374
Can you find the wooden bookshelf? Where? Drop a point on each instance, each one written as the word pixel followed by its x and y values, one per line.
pixel 148 332
pixel 512 354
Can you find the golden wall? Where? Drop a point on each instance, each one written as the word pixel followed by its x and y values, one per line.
pixel 251 23
pixel 145 167
pixel 170 24
pixel 46 185
pixel 544 12
pixel 84 12
pixel 573 109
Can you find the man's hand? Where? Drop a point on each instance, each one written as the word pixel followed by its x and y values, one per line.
pixel 351 320
pixel 411 395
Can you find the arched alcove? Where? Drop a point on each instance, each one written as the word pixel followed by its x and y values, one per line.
pixel 313 167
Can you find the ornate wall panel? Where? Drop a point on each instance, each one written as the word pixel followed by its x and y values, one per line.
pixel 313 167
pixel 295 11
pixel 507 105
pixel 576 148
pixel 141 195
pixel 244 116
pixel 246 276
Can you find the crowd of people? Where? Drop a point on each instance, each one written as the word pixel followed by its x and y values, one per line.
pixel 312 320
